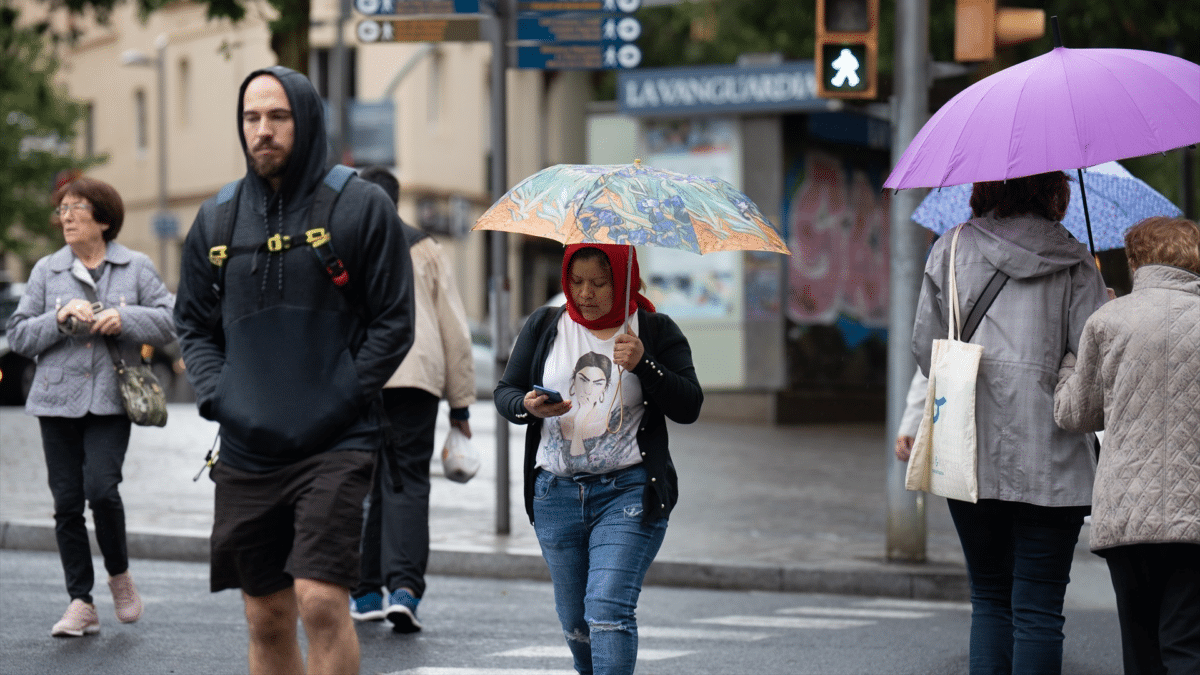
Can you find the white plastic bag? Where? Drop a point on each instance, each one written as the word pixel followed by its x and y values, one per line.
pixel 460 458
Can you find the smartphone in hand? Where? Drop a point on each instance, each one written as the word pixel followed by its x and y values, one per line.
pixel 551 395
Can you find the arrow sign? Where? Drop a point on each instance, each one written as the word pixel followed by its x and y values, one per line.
pixel 395 7
pixel 579 56
pixel 609 6
pixel 557 28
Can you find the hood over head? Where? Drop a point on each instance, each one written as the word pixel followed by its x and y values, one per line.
pixel 306 165
pixel 1027 246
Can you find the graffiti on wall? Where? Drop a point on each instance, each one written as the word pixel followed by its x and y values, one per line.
pixel 838 232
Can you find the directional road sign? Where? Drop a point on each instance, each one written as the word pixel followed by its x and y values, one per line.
pixel 579 56
pixel 609 6
pixel 396 7
pixel 418 30
pixel 577 28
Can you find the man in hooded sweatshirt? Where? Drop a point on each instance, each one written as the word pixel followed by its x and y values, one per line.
pixel 290 357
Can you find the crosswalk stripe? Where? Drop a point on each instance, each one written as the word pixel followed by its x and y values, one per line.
pixel 860 613
pixel 801 623
pixel 562 652
pixel 916 604
pixel 427 670
pixel 665 633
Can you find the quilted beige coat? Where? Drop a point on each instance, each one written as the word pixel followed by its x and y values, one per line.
pixel 1137 376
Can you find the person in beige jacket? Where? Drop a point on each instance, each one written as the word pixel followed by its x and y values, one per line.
pixel 395 548
pixel 1137 376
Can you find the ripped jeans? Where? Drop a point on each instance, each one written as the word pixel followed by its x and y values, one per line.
pixel 598 550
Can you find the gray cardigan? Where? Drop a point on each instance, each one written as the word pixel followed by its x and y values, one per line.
pixel 1138 378
pixel 75 374
pixel 1035 320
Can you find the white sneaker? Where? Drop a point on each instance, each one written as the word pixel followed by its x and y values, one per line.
pixel 125 597
pixel 80 619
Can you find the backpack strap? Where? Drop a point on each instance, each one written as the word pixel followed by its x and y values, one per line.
pixel 318 235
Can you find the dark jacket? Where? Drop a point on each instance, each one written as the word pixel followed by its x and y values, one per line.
pixel 296 363
pixel 669 386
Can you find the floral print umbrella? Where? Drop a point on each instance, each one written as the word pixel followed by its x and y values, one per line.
pixel 632 204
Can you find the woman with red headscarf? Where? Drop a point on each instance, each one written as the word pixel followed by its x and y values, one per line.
pixel 599 481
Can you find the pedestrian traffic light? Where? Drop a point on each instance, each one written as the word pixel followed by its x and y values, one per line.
pixel 980 26
pixel 847 48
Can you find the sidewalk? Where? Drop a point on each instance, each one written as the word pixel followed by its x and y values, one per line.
pixel 798 509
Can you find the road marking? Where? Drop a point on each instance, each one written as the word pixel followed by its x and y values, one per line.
pixel 665 633
pixel 860 613
pixel 427 670
pixel 796 623
pixel 916 604
pixel 562 652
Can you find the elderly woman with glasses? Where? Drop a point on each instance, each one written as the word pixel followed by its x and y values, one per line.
pixel 88 292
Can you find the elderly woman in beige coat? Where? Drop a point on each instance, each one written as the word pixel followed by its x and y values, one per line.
pixel 1137 376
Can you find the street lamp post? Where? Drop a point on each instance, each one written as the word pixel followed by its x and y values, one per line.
pixel 165 224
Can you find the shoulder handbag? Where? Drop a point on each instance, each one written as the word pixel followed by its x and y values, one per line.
pixel 944 455
pixel 143 397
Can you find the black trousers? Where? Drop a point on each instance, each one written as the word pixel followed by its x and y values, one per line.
pixel 83 462
pixel 395 542
pixel 1158 605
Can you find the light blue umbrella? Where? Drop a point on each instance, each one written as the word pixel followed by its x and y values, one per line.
pixel 1116 201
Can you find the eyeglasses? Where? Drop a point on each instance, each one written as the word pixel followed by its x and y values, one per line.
pixel 78 206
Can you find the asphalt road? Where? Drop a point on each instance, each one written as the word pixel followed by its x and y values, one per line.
pixel 504 627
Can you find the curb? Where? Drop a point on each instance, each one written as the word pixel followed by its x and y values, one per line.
pixel 857 577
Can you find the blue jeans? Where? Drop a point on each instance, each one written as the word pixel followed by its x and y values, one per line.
pixel 598 550
pixel 1019 562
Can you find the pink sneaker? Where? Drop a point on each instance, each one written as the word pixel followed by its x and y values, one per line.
pixel 125 597
pixel 79 620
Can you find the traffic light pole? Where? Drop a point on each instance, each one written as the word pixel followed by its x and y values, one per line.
pixel 498 284
pixel 906 510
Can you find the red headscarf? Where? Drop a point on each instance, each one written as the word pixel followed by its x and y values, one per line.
pixel 618 257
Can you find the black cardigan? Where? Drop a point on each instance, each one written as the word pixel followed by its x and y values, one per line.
pixel 669 386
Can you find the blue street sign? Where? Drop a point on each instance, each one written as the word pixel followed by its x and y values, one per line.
pixel 166 225
pixel 579 56
pixel 577 28
pixel 396 7
pixel 559 6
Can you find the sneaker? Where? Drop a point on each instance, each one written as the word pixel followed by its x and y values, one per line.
pixel 79 620
pixel 125 597
pixel 367 608
pixel 402 611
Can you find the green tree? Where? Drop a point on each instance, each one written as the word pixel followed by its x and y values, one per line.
pixel 36 134
pixel 289 30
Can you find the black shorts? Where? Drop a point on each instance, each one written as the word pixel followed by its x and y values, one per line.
pixel 300 522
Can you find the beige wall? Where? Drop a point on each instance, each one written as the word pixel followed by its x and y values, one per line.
pixel 442 117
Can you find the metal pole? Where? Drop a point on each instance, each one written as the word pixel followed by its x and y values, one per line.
pixel 906 510
pixel 161 67
pixel 499 285
pixel 337 84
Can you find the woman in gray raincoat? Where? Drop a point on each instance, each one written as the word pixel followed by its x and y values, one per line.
pixel 75 394
pixel 1035 479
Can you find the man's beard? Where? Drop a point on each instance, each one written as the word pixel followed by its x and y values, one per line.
pixel 268 167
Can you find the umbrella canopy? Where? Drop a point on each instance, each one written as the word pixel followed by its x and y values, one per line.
pixel 1067 109
pixel 1116 201
pixel 632 204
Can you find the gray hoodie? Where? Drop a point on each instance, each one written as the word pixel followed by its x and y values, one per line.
pixel 1035 320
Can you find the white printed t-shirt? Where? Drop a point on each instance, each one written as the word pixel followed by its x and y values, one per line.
pixel 592 437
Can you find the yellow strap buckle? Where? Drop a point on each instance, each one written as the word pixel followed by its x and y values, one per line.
pixel 277 243
pixel 317 236
pixel 217 255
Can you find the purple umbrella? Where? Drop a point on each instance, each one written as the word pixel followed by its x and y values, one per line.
pixel 1068 109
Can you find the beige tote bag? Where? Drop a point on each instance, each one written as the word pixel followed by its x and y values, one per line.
pixel 943 460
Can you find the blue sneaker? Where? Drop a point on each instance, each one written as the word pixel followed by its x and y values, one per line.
pixel 367 608
pixel 402 611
